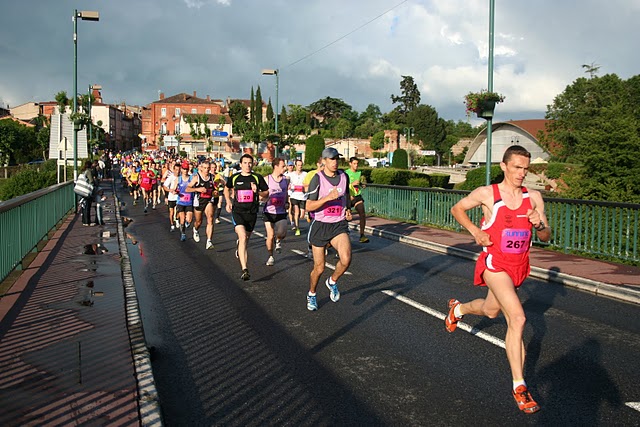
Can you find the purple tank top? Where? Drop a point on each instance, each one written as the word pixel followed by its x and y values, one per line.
pixel 277 196
pixel 335 210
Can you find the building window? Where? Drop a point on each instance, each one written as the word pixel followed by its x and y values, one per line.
pixel 194 111
pixel 208 111
pixel 163 112
pixel 177 129
pixel 177 112
pixel 163 129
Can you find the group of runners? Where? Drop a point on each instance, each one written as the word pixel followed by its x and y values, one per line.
pixel 325 198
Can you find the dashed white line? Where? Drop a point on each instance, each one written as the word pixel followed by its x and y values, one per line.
pixel 633 405
pixel 439 315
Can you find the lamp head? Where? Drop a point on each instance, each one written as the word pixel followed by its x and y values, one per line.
pixel 89 15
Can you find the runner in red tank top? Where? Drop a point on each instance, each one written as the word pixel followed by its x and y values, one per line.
pixel 510 214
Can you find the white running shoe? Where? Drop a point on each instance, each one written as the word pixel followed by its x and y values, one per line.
pixel 271 261
pixel 196 235
pixel 278 246
pixel 217 221
pixel 209 245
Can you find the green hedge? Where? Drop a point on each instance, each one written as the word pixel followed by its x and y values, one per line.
pixel 26 181
pixel 477 178
pixel 313 149
pixel 419 182
pixel 439 180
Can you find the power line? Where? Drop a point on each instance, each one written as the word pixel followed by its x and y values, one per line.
pixel 346 35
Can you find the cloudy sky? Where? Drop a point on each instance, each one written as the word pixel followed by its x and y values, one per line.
pixel 356 50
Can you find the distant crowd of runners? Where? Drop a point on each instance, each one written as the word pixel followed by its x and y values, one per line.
pixel 325 197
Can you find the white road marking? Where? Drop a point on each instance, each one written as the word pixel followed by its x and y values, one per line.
pixel 634 405
pixel 438 315
pixel 333 267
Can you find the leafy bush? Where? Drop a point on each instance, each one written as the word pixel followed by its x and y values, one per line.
pixel 555 170
pixel 313 149
pixel 419 182
pixel 263 170
pixel 400 159
pixel 26 181
pixel 439 180
pixel 477 178
pixel 392 176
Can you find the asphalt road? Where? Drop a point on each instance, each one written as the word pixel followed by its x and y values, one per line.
pixel 228 352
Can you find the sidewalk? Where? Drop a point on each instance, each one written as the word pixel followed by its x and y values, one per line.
pixel 72 349
pixel 65 349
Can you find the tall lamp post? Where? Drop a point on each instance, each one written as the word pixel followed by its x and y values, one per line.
pixel 85 15
pixel 490 89
pixel 408 132
pixel 274 72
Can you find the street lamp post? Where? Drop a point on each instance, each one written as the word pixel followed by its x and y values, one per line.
pixel 85 15
pixel 408 132
pixel 274 72
pixel 490 89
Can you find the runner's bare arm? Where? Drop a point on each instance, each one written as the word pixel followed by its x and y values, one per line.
pixel 537 216
pixel 481 196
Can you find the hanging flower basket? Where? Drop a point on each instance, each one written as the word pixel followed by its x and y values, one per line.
pixel 482 103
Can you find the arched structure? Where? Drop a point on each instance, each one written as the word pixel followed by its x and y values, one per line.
pixel 506 134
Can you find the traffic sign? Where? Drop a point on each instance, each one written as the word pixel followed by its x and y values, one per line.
pixel 219 133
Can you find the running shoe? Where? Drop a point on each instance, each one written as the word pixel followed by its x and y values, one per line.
pixel 278 246
pixel 524 400
pixel 335 293
pixel 310 254
pixel 177 221
pixel 237 243
pixel 364 239
pixel 293 227
pixel 173 228
pixel 209 245
pixel 196 235
pixel 153 206
pixel 297 231
pixel 217 221
pixel 183 237
pixel 187 224
pixel 271 261
pixel 312 302
pixel 245 275
pixel 145 209
pixel 451 321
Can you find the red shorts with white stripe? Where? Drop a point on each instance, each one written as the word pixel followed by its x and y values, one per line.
pixel 486 261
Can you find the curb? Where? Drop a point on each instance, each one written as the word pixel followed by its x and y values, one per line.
pixel 148 398
pixel 581 283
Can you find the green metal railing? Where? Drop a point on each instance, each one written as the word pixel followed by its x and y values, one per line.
pixel 26 220
pixel 601 229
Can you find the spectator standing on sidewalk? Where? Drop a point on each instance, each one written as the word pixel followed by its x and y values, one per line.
pixel 242 194
pixel 329 199
pixel 298 197
pixel 86 202
pixel 510 212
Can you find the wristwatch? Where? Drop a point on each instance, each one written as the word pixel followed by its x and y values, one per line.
pixel 540 226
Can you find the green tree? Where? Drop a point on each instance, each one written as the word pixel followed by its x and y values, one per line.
pixel 258 120
pixel 410 97
pixel 270 114
pixel 428 128
pixel 237 112
pixel 329 109
pixel 313 149
pixel 18 143
pixel 62 100
pixel 400 159
pixel 252 107
pixel 377 141
pixel 595 124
